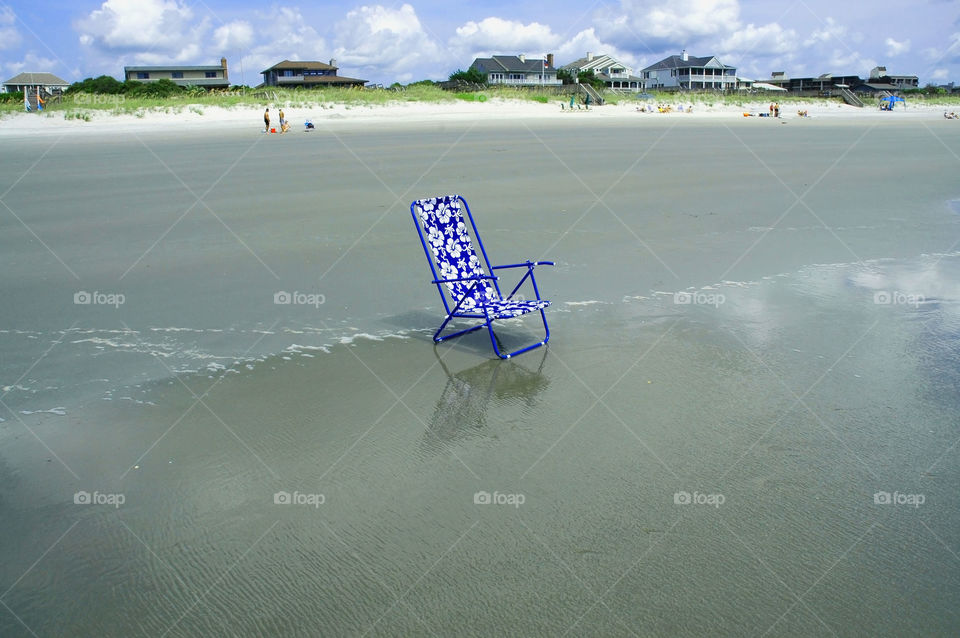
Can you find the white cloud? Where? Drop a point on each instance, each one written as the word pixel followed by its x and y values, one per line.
pixel 830 31
pixel 939 74
pixel 587 41
pixel 493 36
pixel 149 31
pixel 763 41
pixel 9 36
pixel 32 63
pixel 895 48
pixel 237 35
pixel 382 40
pixel 656 25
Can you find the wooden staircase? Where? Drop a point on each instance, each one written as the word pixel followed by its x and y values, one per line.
pixel 594 95
pixel 850 98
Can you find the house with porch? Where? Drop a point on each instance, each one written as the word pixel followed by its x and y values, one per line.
pixel 208 77
pixel 307 74
pixel 613 73
pixel 518 70
pixel 686 72
pixel 28 83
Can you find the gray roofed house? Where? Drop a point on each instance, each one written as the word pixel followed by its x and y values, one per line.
pixel 689 72
pixel 209 77
pixel 518 70
pixel 613 73
pixel 25 81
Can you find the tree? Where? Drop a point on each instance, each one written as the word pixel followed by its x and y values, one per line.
pixel 471 75
pixel 585 77
pixel 103 85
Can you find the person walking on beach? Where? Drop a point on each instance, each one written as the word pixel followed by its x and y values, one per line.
pixel 281 119
pixel 266 121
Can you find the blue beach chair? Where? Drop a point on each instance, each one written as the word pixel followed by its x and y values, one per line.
pixel 466 289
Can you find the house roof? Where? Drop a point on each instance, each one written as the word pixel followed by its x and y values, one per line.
pixel 879 86
pixel 301 64
pixel 598 61
pixel 46 79
pixel 331 79
pixel 128 69
pixel 510 64
pixel 677 62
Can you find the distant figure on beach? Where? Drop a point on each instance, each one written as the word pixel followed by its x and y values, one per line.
pixel 776 110
pixel 282 120
pixel 771 109
pixel 266 121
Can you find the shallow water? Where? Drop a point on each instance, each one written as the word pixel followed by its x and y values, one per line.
pixel 779 361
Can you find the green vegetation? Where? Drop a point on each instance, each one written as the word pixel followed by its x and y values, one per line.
pixel 471 76
pixel 585 77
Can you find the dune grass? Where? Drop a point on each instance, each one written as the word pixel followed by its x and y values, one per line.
pixel 86 106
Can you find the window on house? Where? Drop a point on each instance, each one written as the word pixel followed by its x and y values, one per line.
pixel 143 76
pixel 177 75
pixel 209 74
pixel 288 73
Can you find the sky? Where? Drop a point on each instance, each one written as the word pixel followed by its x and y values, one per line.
pixel 429 39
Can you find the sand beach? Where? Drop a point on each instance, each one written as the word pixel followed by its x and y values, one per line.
pixel 744 422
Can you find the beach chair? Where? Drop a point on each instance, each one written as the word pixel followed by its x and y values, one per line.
pixel 461 277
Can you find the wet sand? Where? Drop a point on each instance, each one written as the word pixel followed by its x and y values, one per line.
pixel 777 381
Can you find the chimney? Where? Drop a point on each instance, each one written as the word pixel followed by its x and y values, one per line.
pixel 589 57
pixel 550 59
pixel 522 57
pixel 333 62
pixel 684 56
pixel 223 65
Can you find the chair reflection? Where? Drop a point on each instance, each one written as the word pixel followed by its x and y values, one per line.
pixel 461 409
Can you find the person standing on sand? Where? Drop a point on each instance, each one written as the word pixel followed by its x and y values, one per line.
pixel 771 109
pixel 776 110
pixel 266 121
pixel 281 119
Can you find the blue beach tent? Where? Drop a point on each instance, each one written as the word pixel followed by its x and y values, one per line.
pixel 887 103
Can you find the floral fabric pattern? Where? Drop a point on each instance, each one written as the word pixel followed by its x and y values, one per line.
pixel 446 233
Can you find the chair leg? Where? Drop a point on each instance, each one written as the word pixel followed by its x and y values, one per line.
pixel 493 339
pixel 438 338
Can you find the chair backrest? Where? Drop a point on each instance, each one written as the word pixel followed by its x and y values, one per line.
pixel 449 249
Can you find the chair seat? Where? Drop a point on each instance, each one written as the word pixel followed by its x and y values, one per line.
pixel 508 309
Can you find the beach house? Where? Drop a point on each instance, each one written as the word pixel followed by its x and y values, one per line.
pixel 30 82
pixel 208 77
pixel 518 70
pixel 690 73
pixel 613 73
pixel 306 74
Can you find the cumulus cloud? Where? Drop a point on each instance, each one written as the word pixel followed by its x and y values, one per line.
pixel 386 40
pixel 31 62
pixel 492 36
pixel 657 25
pixel 233 36
pixel 149 31
pixel 939 74
pixel 766 40
pixel 895 48
pixel 9 36
pixel 587 41
pixel 831 30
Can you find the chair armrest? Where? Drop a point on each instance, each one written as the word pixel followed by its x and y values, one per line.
pixel 526 264
pixel 475 278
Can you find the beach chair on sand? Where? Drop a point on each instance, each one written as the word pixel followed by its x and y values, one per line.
pixel 461 277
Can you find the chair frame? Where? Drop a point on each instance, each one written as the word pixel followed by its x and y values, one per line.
pixel 481 311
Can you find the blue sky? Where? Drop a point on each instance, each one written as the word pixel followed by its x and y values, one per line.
pixel 408 41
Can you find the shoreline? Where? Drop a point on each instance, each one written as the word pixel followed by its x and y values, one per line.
pixel 236 119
